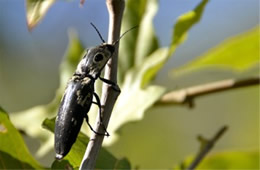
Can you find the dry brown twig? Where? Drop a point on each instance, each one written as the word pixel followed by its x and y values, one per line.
pixel 186 95
pixel 109 95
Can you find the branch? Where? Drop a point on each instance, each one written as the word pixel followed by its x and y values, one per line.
pixel 207 145
pixel 186 95
pixel 109 95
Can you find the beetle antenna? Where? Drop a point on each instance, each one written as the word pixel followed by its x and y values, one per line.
pixel 124 34
pixel 100 36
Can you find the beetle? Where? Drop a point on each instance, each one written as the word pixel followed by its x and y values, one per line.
pixel 78 96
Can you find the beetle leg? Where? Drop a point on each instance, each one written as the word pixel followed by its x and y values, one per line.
pixel 92 128
pixel 100 116
pixel 114 85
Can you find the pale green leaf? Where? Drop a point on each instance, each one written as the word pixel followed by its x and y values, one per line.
pixel 238 53
pixel 150 67
pixel 147 41
pixel 184 24
pixel 130 106
pixel 140 42
pixel 36 10
pixel 132 17
pixel 13 151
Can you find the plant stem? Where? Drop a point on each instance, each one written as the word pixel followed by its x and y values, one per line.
pixel 109 95
pixel 186 95
pixel 208 146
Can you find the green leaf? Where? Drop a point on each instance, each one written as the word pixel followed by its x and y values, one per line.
pixel 73 159
pixel 122 164
pixel 156 60
pixel 184 24
pixel 107 161
pixel 132 16
pixel 36 10
pixel 131 105
pixel 23 119
pixel 13 151
pixel 147 41
pixel 238 53
pixel 152 65
pixel 228 160
pixel 232 160
pixel 140 42
pixel 2 110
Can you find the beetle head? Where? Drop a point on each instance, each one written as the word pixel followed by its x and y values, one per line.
pixel 95 60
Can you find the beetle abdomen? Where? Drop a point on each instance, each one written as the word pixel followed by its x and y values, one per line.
pixel 74 106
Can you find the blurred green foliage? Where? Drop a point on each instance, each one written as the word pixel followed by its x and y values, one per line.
pixel 13 151
pixel 238 53
pixel 231 160
pixel 227 160
pixel 141 58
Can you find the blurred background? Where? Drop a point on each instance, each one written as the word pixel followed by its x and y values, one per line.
pixel 29 75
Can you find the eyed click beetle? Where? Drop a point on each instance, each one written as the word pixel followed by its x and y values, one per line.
pixel 78 96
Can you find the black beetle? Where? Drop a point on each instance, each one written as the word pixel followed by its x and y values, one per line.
pixel 78 96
